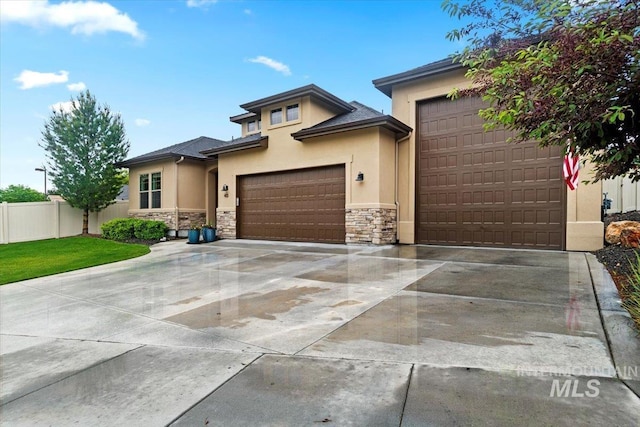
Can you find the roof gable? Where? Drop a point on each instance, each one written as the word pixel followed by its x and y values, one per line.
pixel 317 94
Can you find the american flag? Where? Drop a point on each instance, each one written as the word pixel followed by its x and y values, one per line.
pixel 570 169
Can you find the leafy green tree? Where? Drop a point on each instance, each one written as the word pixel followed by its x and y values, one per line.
pixel 563 73
pixel 83 146
pixel 21 193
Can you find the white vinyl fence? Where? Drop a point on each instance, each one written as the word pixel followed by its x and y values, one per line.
pixel 624 194
pixel 22 222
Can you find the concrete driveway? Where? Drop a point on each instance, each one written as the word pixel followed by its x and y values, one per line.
pixel 257 333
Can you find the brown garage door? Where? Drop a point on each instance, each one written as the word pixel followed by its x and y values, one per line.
pixel 304 205
pixel 475 189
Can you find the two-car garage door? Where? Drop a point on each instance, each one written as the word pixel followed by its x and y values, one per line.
pixel 473 188
pixel 305 205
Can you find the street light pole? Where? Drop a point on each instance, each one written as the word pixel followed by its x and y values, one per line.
pixel 43 169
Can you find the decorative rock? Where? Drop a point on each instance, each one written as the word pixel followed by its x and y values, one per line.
pixel 626 233
pixel 630 237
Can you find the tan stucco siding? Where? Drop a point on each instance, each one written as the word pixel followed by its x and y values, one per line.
pixel 167 169
pixel 309 114
pixel 358 150
pixel 212 192
pixel 584 229
pixel 387 168
pixel 191 185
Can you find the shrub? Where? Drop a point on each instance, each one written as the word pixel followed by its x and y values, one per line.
pixel 119 229
pixel 632 291
pixel 124 229
pixel 150 230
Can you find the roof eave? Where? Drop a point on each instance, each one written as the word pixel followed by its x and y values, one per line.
pixel 309 90
pixel 151 159
pixel 387 122
pixel 263 142
pixel 240 117
pixel 385 84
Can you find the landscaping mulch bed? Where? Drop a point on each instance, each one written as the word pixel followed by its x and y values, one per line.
pixel 618 261
pixel 615 257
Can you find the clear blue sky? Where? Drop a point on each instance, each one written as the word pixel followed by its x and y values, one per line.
pixel 178 69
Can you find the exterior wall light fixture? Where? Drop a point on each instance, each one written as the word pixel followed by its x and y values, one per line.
pixel 225 188
pixel 360 177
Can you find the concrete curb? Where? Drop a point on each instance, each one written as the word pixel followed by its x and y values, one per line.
pixel 622 336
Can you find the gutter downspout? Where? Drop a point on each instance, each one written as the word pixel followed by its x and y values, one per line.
pixel 177 211
pixel 397 160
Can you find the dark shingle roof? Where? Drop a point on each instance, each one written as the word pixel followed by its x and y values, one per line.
pixel 384 84
pixel 190 149
pixel 361 117
pixel 360 112
pixel 251 141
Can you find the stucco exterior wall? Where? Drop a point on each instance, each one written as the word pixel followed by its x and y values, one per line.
pixel 184 199
pixel 584 231
pixel 191 186
pixel 358 150
pixel 167 169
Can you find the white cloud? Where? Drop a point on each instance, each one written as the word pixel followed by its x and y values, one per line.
pixel 142 122
pixel 77 87
pixel 66 106
pixel 30 79
pixel 200 3
pixel 272 63
pixel 248 12
pixel 81 17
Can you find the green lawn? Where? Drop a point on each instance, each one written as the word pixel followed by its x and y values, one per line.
pixel 26 260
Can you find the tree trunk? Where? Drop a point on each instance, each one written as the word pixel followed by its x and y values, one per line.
pixel 85 222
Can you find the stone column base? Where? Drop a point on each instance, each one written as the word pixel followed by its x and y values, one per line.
pixel 226 224
pixel 375 225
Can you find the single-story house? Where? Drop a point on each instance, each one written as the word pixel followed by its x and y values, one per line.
pixel 311 167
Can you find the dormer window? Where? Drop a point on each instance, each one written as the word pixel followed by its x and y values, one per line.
pixel 253 126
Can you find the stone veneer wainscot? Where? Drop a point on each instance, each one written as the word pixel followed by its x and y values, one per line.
pixel 185 219
pixel 226 224
pixel 375 225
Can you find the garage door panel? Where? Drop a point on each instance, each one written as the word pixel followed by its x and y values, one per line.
pixel 301 205
pixel 474 188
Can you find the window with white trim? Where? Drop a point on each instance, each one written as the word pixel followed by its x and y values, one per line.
pixel 292 112
pixel 276 116
pixel 156 190
pixel 144 191
pixel 151 191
